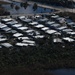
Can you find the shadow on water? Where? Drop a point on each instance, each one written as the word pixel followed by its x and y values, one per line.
pixel 63 72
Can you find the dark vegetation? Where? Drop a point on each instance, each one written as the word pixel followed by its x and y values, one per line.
pixel 68 14
pixel 35 6
pixel 23 71
pixel 3 12
pixel 43 57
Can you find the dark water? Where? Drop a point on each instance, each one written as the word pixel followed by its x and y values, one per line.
pixel 28 10
pixel 63 72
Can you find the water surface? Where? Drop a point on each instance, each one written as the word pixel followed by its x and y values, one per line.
pixel 63 72
pixel 28 10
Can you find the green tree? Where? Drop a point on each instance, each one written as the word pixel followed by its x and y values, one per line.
pixel 17 7
pixel 35 6
pixel 12 5
pixel 25 5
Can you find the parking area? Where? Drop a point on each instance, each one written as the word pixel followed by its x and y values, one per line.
pixel 33 31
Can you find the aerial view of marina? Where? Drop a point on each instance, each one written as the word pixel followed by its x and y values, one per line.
pixel 37 37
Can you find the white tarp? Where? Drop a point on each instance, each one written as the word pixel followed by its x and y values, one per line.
pixel 6 45
pixel 17 34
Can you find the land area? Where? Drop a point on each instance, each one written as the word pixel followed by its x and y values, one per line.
pixel 38 60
